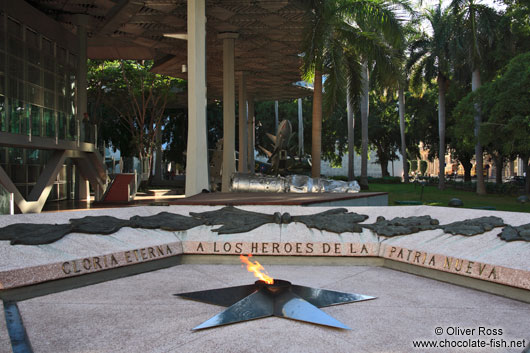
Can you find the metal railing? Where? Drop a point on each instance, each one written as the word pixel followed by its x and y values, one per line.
pixel 54 126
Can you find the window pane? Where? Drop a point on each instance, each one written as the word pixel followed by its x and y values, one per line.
pixel 16 89
pixel 3 122
pixel 15 67
pixel 35 120
pixel 47 46
pixel 2 60
pixel 49 99
pixel 32 38
pixel 34 74
pixel 15 155
pixel 34 56
pixel 49 80
pixel 48 62
pixel 16 115
pixel 33 157
pixel 72 60
pixel 15 47
pixel 61 123
pixel 72 127
pixel 34 94
pixel 14 28
pixel 61 85
pixel 61 103
pixel 49 122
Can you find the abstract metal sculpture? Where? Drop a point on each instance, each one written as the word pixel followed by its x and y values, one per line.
pixel 281 299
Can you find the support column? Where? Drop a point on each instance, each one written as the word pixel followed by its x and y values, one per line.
pixel 243 129
pixel 276 121
pixel 229 109
pixel 157 177
pixel 84 187
pixel 300 129
pixel 82 23
pixel 251 134
pixel 197 151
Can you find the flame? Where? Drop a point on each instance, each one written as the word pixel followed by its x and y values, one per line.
pixel 256 268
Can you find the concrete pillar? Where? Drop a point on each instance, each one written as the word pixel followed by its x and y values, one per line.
pixel 251 134
pixel 197 150
pixel 84 188
pixel 82 23
pixel 276 121
pixel 157 176
pixel 229 109
pixel 300 129
pixel 243 129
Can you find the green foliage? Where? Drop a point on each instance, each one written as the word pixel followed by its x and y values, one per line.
pixel 342 32
pixel 505 104
pixel 474 29
pixel 383 129
pixel 518 18
pixel 422 122
pixel 413 165
pixel 430 55
pixel 130 100
pixel 423 167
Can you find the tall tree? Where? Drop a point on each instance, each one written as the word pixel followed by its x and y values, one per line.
pixel 429 59
pixel 410 34
pixel 475 34
pixel 380 68
pixel 136 96
pixel 506 104
pixel 351 138
pixel 338 33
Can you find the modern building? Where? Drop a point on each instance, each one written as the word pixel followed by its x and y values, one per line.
pixel 47 149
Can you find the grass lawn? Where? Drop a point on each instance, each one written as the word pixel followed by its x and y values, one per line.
pixel 434 197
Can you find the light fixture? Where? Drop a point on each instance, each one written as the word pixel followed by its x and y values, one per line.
pixel 183 36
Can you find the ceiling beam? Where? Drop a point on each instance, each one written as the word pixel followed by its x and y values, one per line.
pixel 120 14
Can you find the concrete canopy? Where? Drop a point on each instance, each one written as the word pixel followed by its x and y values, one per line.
pixel 268 47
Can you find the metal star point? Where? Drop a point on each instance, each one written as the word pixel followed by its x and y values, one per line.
pixel 281 299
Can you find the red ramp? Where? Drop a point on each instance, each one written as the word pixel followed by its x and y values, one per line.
pixel 120 189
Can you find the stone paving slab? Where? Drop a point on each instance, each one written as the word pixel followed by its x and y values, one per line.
pixel 484 256
pixel 140 314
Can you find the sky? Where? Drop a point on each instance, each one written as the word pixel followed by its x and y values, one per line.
pixel 495 4
pixel 445 3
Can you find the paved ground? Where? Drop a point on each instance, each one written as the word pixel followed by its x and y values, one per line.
pixel 139 314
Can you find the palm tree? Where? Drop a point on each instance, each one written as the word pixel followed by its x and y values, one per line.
pixel 401 105
pixel 429 58
pixel 379 68
pixel 410 34
pixel 351 130
pixel 334 40
pixel 476 25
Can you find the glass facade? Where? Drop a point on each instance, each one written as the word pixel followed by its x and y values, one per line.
pixel 37 83
pixel 25 166
pixel 37 98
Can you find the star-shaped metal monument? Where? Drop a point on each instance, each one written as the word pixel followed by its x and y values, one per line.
pixel 281 299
